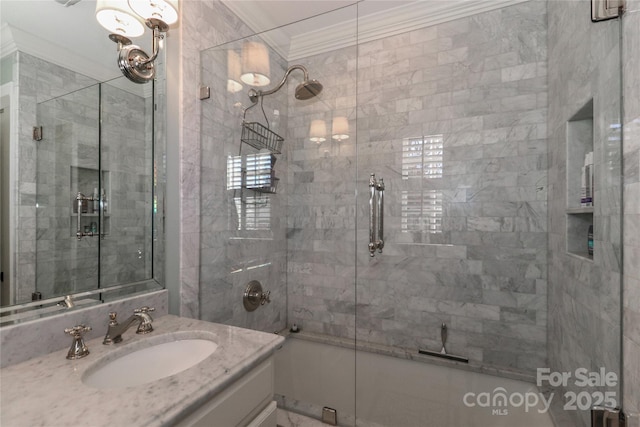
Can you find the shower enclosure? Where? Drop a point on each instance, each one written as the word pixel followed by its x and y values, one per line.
pixel 460 116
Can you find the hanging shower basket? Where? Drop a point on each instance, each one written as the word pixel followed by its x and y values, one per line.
pixel 259 137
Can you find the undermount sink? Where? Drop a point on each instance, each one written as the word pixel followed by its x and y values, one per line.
pixel 150 363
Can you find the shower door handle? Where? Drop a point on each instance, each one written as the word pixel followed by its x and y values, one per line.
pixel 380 209
pixel 376 215
pixel 372 214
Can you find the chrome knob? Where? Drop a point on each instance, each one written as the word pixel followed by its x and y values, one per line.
pixel 78 349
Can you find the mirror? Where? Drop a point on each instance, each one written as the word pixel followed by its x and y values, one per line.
pixel 82 183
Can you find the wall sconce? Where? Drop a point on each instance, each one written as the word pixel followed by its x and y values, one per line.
pixel 233 72
pixel 123 18
pixel 318 131
pixel 340 128
pixel 255 64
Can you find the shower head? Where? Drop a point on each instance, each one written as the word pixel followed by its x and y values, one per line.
pixel 308 89
pixel 305 90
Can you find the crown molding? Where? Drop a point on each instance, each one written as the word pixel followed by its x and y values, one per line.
pixel 412 16
pixel 15 39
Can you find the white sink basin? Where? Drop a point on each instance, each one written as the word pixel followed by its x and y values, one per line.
pixel 149 364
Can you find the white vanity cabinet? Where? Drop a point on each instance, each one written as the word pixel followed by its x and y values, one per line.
pixel 246 403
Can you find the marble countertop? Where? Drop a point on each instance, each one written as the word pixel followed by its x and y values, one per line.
pixel 48 390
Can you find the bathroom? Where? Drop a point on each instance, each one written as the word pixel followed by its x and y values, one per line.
pixel 484 244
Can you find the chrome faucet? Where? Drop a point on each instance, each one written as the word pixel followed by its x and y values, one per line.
pixel 115 329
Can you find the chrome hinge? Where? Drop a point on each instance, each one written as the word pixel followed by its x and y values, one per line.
pixel 205 92
pixel 37 133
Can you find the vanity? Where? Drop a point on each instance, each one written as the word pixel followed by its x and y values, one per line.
pixel 232 385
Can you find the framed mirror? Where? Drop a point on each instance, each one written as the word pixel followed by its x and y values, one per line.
pixel 82 182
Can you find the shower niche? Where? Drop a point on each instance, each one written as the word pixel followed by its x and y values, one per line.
pixel 580 183
pixel 95 215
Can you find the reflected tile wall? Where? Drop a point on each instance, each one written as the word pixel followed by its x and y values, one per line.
pixel 631 240
pixel 484 273
pixel 584 295
pixel 70 124
pixel 37 81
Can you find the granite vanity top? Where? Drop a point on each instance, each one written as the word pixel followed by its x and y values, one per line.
pixel 48 390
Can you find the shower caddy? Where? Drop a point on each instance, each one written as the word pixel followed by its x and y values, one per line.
pixel 260 175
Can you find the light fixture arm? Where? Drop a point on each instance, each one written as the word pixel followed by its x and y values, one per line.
pixel 254 95
pixel 134 63
pixel 159 28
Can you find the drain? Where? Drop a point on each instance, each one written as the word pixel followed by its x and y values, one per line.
pixel 329 416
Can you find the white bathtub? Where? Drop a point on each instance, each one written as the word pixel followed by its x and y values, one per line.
pixel 396 392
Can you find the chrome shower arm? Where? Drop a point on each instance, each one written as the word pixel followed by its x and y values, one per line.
pixel 254 95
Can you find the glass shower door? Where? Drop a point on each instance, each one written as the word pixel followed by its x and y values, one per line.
pixel 68 163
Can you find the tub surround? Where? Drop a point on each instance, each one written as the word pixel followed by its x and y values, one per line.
pixel 48 390
pixel 409 354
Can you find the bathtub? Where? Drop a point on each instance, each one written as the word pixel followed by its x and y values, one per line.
pixel 395 391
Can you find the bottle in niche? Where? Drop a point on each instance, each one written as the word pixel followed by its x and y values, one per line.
pixel 95 203
pixel 590 240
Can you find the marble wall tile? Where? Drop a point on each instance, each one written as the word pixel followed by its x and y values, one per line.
pixel 493 245
pixel 584 295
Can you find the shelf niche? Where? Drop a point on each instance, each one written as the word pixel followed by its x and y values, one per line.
pixel 579 218
pixel 85 180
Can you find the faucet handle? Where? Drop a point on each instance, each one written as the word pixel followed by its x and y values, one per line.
pixel 77 330
pixel 144 309
pixel 112 318
pixel 78 349
pixel 145 325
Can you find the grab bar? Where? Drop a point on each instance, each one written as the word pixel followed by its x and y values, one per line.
pixel 376 215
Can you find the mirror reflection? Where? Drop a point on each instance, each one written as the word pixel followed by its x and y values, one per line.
pixel 81 182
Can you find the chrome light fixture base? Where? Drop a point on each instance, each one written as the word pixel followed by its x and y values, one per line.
pixel 135 65
pixel 134 62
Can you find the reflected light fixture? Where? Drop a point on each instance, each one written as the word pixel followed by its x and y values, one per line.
pixel 255 64
pixel 318 131
pixel 233 72
pixel 124 19
pixel 340 128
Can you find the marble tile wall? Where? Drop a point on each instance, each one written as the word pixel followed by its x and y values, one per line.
pixel 584 294
pixel 234 249
pixel 209 24
pixel 631 217
pixel 69 116
pixel 37 81
pixel 480 82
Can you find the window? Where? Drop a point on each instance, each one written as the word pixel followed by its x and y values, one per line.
pixel 252 171
pixel 422 161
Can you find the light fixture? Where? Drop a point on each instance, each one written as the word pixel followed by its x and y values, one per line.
pixel 318 131
pixel 164 10
pixel 255 64
pixel 340 128
pixel 118 18
pixel 233 72
pixel 124 19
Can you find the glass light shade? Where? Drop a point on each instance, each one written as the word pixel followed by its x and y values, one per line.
pixel 255 64
pixel 165 10
pixel 118 18
pixel 233 72
pixel 340 128
pixel 318 131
